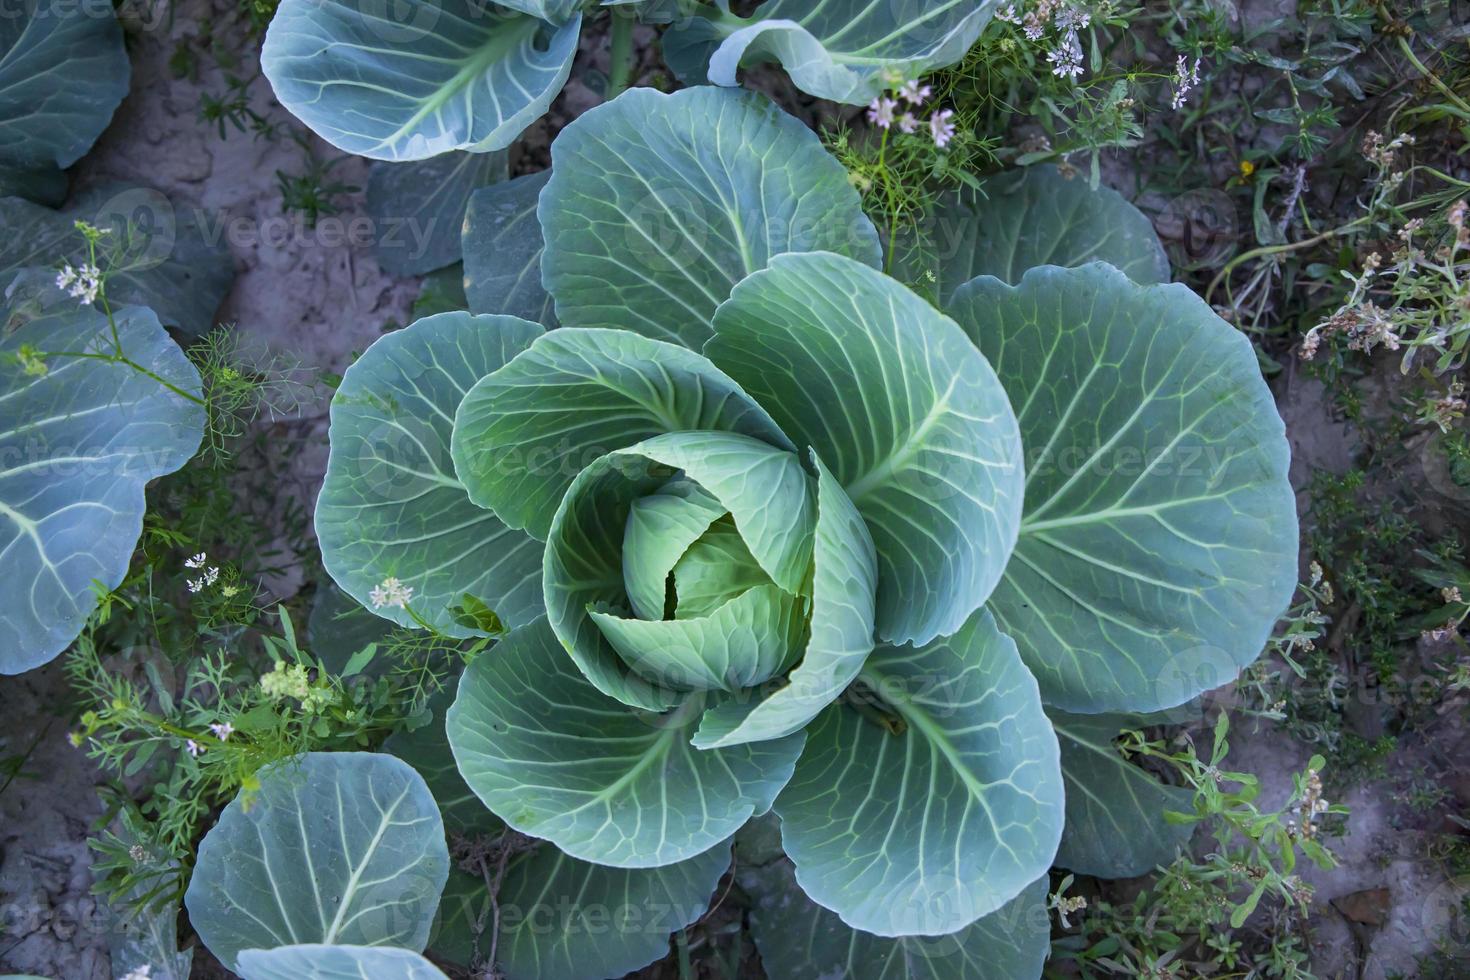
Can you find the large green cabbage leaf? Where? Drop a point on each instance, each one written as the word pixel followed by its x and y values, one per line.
pixel 911 419
pixel 63 71
pixel 1159 540
pixel 334 847
pixel 554 758
pixel 1034 216
pixel 659 204
pixel 416 78
pixel 843 50
pixel 391 505
pixel 560 918
pixel 933 796
pixel 77 447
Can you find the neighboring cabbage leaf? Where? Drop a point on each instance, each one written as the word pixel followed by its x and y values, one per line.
pixel 811 942
pixel 78 445
pixel 843 50
pixel 502 251
pixel 932 796
pixel 1158 544
pixel 63 71
pixel 419 78
pixel 659 204
pixel 173 260
pixel 1033 216
pixel 334 847
pixel 390 504
pixel 1115 810
pixel 418 208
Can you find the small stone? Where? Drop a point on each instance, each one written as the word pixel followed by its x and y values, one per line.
pixel 1368 907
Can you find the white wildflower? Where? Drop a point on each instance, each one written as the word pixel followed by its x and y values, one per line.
pixel 1073 19
pixel 908 122
pixel 1008 15
pixel 196 562
pixel 391 592
pixel 880 111
pixel 941 127
pixel 82 283
pixel 1185 79
pixel 193 747
pixel 196 584
pixel 1066 58
pixel 915 93
pixel 222 730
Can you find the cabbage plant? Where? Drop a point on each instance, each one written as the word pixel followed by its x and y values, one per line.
pixel 790 557
pixel 411 79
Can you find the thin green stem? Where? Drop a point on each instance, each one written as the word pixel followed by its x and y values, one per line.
pixel 123 359
pixel 888 195
pixel 1431 77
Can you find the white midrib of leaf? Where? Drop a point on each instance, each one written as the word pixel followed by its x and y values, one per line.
pixel 352 882
pixel 473 67
pixel 656 752
pixel 903 453
pixel 899 31
pixel 937 736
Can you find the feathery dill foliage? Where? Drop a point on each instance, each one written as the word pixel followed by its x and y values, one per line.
pixel 243 386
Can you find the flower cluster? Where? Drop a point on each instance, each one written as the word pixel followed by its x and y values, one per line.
pixel 289 681
pixel 286 681
pixel 83 283
pixel 391 592
pixel 911 95
pixel 32 361
pixel 1384 154
pixel 209 574
pixel 1064 20
pixel 1186 78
